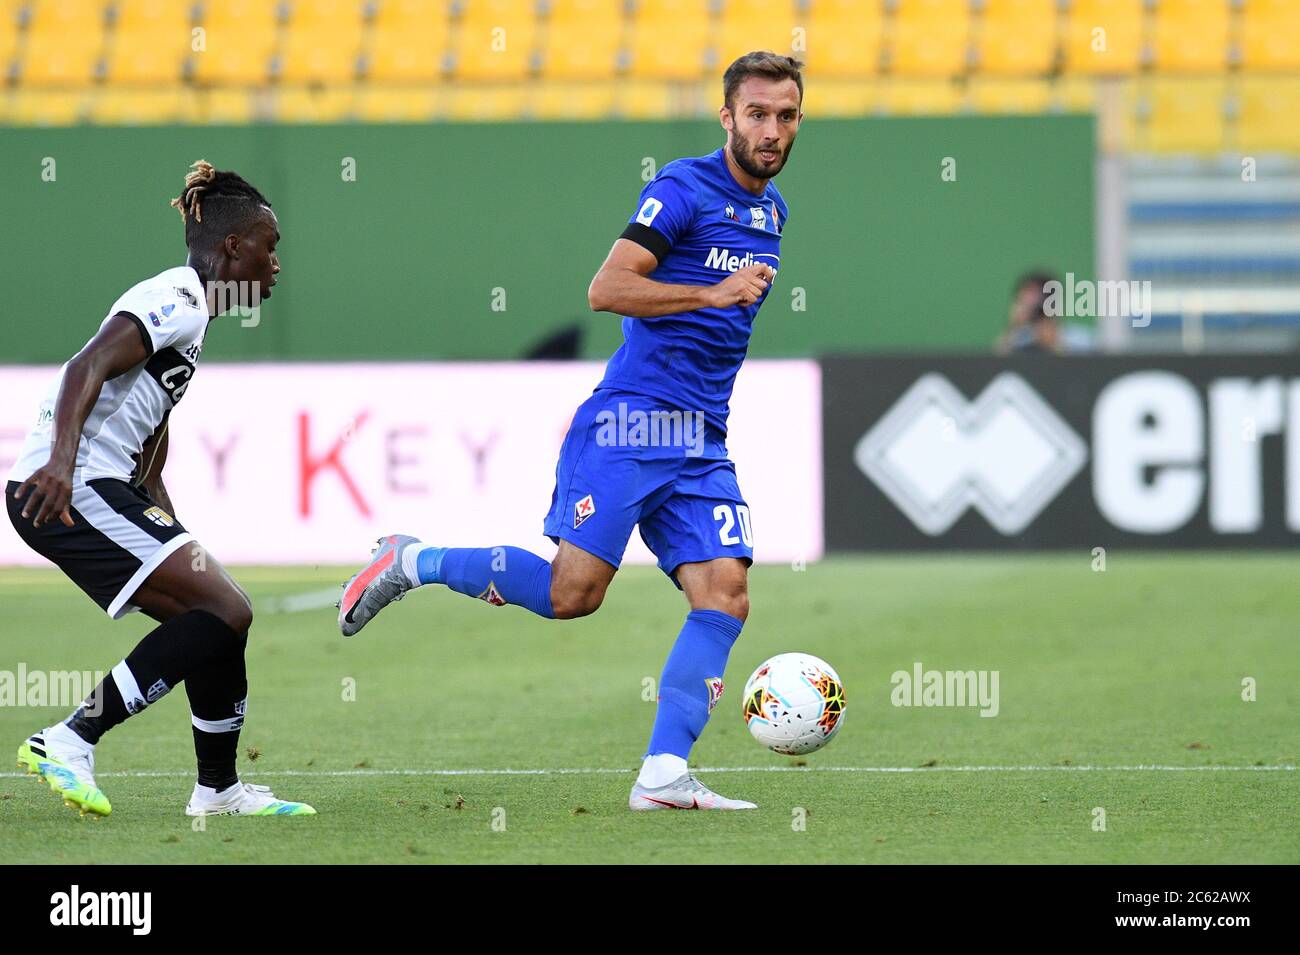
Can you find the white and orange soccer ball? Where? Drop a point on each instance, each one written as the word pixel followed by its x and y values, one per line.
pixel 794 703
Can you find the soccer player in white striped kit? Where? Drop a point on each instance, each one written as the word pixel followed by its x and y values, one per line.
pixel 86 492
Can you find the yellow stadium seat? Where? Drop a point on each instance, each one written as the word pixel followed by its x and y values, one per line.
pixel 1104 37
pixel 1191 36
pixel 296 104
pixel 574 49
pixel 149 43
pixel 8 39
pixel 907 97
pixel 1270 35
pixel 398 104
pixel 255 17
pixel 146 59
pixel 424 19
pixel 485 103
pixel 236 42
pixel 1268 115
pixel 678 12
pixel 50 58
pixel 324 16
pixel 666 50
pixel 1017 37
pixel 749 25
pixel 152 16
pixel 931 38
pixel 596 13
pixel 496 40
pixel 643 99
pixel 1075 94
pixel 229 56
pixel 315 56
pixel 844 39
pixel 999 95
pixel 46 107
pixel 122 107
pixel 394 57
pixel 219 107
pixel 1186 115
pixel 573 100
pixel 840 98
pixel 65 16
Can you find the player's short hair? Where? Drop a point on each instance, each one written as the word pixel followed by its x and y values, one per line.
pixel 217 203
pixel 764 63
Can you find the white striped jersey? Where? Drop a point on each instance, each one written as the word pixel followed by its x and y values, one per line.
pixel 171 312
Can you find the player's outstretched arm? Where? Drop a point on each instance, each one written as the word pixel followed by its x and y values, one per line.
pixel 117 348
pixel 622 286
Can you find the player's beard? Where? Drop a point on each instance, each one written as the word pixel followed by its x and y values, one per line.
pixel 742 150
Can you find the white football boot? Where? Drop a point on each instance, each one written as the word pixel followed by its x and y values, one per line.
pixel 685 792
pixel 67 763
pixel 243 799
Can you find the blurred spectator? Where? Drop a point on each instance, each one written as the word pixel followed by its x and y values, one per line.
pixel 1029 328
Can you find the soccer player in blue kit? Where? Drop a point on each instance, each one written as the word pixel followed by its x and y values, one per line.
pixel 688 274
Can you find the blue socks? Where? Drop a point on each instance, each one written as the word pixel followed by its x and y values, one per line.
pixel 499 575
pixel 692 680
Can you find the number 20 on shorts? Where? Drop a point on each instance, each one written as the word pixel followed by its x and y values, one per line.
pixel 730 519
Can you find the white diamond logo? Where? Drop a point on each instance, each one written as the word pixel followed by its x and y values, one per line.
pixel 1007 454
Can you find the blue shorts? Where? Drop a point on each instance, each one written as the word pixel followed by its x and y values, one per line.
pixel 628 460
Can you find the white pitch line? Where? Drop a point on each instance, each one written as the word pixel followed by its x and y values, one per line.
pixel 300 602
pixel 599 771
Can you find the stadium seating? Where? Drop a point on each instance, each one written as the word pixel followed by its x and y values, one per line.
pixel 1186 114
pixel 1269 114
pixel 322 43
pixel 1196 75
pixel 148 44
pixel 1104 37
pixel 495 40
pixel 1017 38
pixel 1270 36
pixel 844 39
pixel 930 38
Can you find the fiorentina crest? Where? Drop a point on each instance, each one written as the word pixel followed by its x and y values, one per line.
pixel 583 510
pixel 492 595
pixel 714 683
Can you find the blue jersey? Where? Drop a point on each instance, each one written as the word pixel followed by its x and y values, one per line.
pixel 701 225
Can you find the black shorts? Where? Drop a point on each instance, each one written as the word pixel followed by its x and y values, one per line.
pixel 117 539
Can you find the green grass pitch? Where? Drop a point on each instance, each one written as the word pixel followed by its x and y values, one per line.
pixel 1138 666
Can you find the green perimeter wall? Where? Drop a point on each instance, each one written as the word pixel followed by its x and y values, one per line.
pixel 402 262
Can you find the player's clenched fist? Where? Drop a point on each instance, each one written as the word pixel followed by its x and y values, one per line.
pixel 742 287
